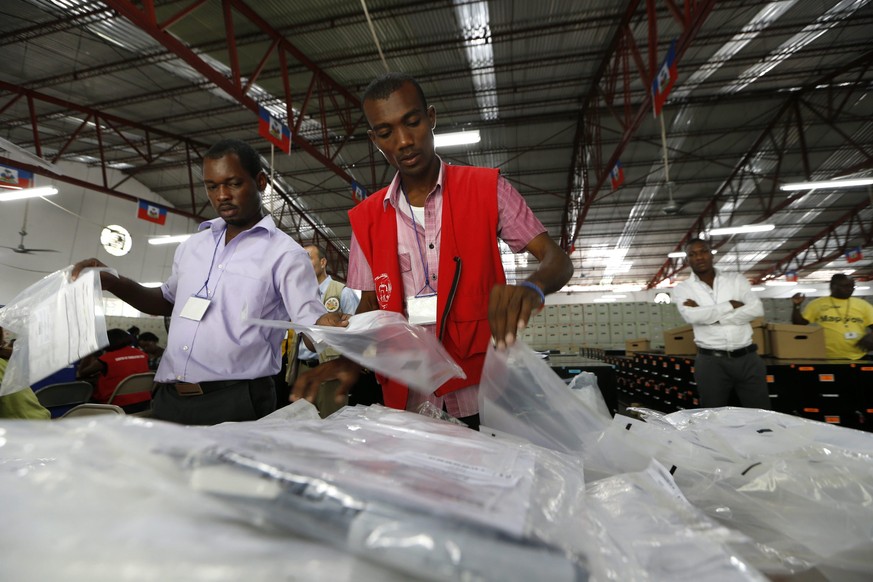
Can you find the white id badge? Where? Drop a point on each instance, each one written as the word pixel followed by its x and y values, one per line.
pixel 195 307
pixel 422 310
pixel 851 335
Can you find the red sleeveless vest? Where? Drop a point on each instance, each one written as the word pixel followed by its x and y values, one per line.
pixel 468 241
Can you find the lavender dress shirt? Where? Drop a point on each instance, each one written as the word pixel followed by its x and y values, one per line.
pixel 262 269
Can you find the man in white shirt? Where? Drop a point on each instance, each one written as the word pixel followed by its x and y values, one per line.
pixel 719 306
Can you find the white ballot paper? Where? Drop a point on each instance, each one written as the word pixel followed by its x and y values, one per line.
pixel 57 322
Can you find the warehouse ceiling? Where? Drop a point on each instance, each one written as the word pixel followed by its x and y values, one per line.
pixel 768 93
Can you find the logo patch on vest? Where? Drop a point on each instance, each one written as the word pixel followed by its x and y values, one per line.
pixel 332 304
pixel 383 290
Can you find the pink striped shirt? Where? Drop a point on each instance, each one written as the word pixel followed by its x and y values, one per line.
pixel 419 247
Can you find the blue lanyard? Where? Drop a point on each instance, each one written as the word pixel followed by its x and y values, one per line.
pixel 418 244
pixel 209 274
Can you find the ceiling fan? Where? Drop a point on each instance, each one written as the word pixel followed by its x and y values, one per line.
pixel 23 232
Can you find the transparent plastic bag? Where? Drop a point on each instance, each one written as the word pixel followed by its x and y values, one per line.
pixel 384 342
pixel 56 322
pixel 521 395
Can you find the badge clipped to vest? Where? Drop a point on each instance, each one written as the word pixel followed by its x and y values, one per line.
pixel 422 309
pixel 851 335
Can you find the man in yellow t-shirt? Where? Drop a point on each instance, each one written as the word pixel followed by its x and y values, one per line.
pixel 846 320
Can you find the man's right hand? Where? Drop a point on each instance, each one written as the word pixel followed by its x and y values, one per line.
pixel 798 298
pixel 86 264
pixel 342 369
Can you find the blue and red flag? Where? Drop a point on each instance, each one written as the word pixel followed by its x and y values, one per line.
pixel 359 193
pixel 274 131
pixel 854 254
pixel 616 176
pixel 665 79
pixel 151 212
pixel 15 179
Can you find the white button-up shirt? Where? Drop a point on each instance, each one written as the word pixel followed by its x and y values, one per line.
pixel 717 325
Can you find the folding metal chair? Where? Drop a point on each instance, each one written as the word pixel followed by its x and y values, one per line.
pixel 59 398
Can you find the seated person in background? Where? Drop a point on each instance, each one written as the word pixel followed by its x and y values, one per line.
pixel 119 361
pixel 22 404
pixel 148 342
pixel 846 320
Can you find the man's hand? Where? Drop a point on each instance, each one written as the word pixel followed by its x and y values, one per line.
pixel 333 319
pixel 89 264
pixel 342 369
pixel 736 304
pixel 798 298
pixel 509 310
pixel 690 303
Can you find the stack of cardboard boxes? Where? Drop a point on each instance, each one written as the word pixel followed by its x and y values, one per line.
pixel 777 340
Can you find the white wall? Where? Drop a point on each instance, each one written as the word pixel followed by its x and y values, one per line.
pixel 49 227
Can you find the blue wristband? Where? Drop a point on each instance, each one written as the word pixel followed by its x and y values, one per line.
pixel 536 288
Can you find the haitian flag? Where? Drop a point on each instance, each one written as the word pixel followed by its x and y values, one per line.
pixel 853 255
pixel 15 179
pixel 151 212
pixel 616 176
pixel 274 131
pixel 665 79
pixel 359 193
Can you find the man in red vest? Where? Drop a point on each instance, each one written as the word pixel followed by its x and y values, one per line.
pixel 426 246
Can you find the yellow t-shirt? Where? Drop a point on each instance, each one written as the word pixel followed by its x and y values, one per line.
pixel 844 322
pixel 21 404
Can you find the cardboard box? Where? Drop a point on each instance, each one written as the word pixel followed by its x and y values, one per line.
pixel 760 337
pixel 796 342
pixel 679 341
pixel 637 345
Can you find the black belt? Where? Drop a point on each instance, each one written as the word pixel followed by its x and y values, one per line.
pixel 198 388
pixel 728 354
pixel 310 363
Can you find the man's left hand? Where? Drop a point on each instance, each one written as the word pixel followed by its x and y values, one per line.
pixel 690 303
pixel 509 310
pixel 333 319
pixel 866 342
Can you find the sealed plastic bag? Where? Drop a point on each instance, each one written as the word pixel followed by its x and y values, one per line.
pixel 385 342
pixel 56 322
pixel 521 395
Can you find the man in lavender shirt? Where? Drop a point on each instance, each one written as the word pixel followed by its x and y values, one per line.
pixel 215 367
pixel 441 217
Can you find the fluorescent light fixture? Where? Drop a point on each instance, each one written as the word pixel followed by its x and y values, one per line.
pixel 606 300
pixel 780 283
pixel 7 195
pixel 168 240
pixel 862 288
pixel 741 229
pixel 758 288
pixel 445 140
pixel 827 184
pixel 152 284
pixel 805 290
pixel 626 288
pixel 677 255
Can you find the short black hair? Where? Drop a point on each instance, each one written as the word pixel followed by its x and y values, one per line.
pixel 248 157
pixel 148 336
pixel 384 85
pixel 839 277
pixel 695 241
pixel 318 250
pixel 118 338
